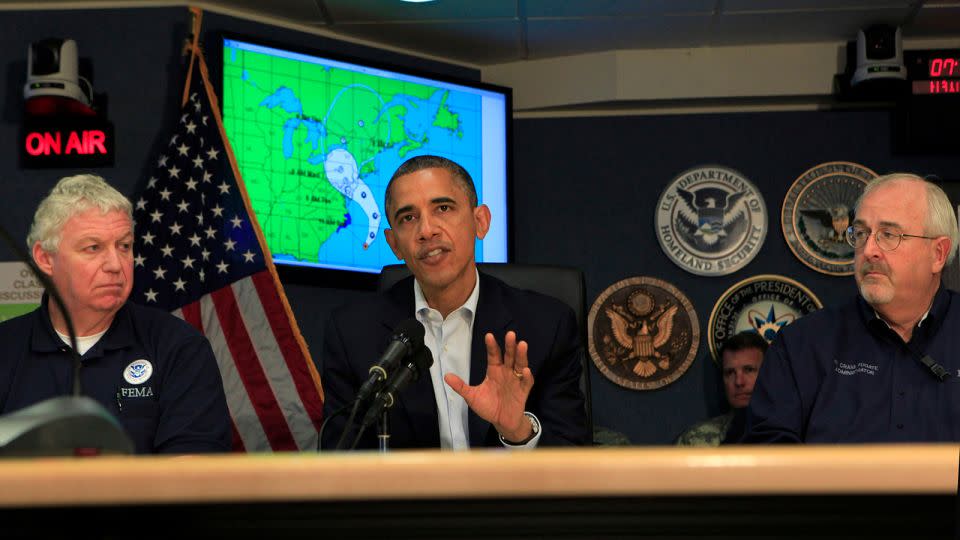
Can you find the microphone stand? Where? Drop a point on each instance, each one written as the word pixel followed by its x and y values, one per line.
pixel 383 431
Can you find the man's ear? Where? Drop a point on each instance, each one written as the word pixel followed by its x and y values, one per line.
pixel 43 259
pixel 941 249
pixel 481 216
pixel 392 242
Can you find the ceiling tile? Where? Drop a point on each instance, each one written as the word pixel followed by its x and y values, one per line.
pixel 933 21
pixel 366 11
pixel 479 43
pixel 732 6
pixel 607 8
pixel 550 37
pixel 797 27
pixel 305 11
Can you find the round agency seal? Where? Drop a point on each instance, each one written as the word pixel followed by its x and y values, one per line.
pixel 764 304
pixel 818 209
pixel 138 371
pixel 711 220
pixel 643 333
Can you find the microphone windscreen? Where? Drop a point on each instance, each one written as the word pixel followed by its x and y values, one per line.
pixel 412 330
pixel 423 358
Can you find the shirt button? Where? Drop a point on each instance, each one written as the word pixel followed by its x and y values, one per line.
pixel 899 426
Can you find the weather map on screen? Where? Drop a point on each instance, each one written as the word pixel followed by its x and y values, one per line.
pixel 317 139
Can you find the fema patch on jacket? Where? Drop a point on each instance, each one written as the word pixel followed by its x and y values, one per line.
pixel 138 371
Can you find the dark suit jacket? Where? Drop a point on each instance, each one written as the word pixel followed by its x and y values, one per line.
pixel 358 333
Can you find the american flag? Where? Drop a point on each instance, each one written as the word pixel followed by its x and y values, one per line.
pixel 199 255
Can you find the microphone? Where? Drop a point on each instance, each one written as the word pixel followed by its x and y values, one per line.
pixel 62 426
pixel 407 337
pixel 419 362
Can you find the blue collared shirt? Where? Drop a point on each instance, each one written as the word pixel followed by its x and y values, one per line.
pixel 841 375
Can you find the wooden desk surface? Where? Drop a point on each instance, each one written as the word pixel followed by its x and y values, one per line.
pixel 902 469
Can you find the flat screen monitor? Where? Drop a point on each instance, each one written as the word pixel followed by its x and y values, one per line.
pixel 317 139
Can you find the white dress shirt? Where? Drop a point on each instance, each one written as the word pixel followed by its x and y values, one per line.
pixel 449 340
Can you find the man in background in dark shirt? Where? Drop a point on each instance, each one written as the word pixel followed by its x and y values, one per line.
pixel 884 366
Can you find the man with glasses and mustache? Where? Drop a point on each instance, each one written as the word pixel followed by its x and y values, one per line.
pixel 884 366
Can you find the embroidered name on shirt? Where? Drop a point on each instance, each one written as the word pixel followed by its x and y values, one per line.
pixel 852 369
pixel 144 391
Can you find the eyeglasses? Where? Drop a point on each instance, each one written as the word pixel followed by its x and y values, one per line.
pixel 888 239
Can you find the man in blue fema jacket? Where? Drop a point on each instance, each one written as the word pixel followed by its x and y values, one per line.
pixel 884 367
pixel 155 372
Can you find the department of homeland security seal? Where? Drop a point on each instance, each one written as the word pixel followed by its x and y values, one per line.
pixel 642 333
pixel 138 371
pixel 764 304
pixel 711 220
pixel 818 209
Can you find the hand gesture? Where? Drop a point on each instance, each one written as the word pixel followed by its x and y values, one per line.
pixel 502 396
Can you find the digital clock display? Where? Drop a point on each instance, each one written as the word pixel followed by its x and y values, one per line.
pixel 933 72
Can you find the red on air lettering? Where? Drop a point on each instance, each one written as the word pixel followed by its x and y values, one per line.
pixel 94 141
pixel 74 144
pixel 43 143
pixel 83 142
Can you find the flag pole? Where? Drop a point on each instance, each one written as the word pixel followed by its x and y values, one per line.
pixel 192 45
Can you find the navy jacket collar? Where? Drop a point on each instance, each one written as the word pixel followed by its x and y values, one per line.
pixel 44 338
pixel 928 327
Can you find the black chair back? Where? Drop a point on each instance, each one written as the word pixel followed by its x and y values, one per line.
pixel 561 282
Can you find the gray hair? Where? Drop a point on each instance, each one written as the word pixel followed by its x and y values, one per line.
pixel 419 163
pixel 941 218
pixel 71 196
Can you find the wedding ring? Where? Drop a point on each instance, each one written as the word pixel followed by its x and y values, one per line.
pixel 518 374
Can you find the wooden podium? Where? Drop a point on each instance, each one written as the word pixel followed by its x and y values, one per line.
pixel 905 490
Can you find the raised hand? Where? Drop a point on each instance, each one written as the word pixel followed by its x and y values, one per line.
pixel 501 397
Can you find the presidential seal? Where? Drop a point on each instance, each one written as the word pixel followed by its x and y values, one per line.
pixel 643 333
pixel 763 304
pixel 711 221
pixel 818 209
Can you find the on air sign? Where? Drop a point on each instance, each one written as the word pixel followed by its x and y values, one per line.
pixel 76 143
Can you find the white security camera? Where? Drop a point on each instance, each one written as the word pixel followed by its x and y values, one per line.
pixel 879 55
pixel 53 70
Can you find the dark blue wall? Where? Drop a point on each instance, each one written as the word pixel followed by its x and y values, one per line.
pixel 585 193
pixel 584 189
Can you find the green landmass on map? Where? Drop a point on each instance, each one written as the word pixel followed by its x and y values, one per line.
pixel 298 207
pixel 448 119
